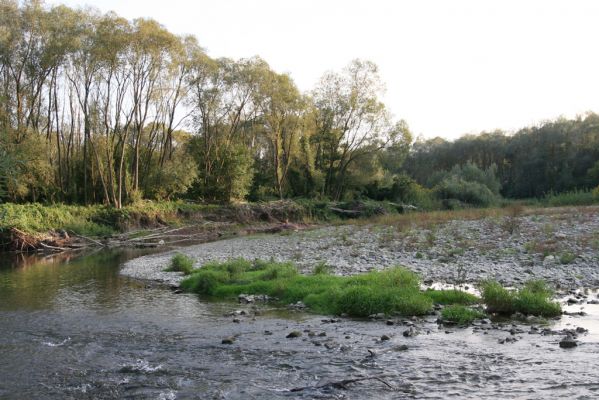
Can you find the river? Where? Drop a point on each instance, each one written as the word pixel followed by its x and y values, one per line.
pixel 76 329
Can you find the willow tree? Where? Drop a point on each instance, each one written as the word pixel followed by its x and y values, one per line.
pixel 352 122
pixel 222 92
pixel 282 109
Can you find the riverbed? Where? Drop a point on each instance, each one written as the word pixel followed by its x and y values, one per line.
pixel 76 328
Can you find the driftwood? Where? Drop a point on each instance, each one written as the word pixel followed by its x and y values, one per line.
pixel 351 213
pixel 345 382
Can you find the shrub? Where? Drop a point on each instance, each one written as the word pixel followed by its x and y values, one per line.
pixel 460 314
pixel 474 193
pixel 181 263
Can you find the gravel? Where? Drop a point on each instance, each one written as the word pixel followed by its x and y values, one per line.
pixel 561 247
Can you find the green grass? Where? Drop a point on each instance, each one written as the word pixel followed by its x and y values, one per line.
pixel 460 314
pixel 391 291
pixel 567 257
pixel 181 263
pixel 321 268
pixel 452 297
pixel 533 299
pixel 574 198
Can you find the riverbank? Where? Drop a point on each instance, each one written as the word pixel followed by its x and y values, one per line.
pixel 559 245
pixel 36 227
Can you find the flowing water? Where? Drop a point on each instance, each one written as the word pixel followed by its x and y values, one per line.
pixel 76 329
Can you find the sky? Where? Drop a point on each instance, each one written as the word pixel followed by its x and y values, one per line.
pixel 450 67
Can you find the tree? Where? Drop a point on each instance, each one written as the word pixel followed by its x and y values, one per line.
pixel 352 122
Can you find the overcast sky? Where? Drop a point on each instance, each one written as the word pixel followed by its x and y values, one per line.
pixel 451 67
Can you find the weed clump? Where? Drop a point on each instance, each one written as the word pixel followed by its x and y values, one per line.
pixel 533 299
pixel 460 314
pixel 181 263
pixel 321 268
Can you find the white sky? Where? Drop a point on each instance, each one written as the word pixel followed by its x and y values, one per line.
pixel 451 67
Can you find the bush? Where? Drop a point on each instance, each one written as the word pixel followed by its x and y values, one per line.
pixel 474 193
pixel 468 184
pixel 181 263
pixel 460 314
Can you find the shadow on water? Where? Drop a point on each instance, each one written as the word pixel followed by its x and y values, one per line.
pixel 73 328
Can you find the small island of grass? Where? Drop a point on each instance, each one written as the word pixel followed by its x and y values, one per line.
pixel 394 291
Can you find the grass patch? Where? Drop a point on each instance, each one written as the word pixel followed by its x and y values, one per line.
pixel 574 198
pixel 533 299
pixel 452 297
pixel 393 291
pixel 567 257
pixel 461 315
pixel 181 263
pixel 321 268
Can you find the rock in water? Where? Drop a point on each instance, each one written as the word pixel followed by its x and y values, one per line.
pixel 228 340
pixel 411 332
pixel 568 342
pixel 294 334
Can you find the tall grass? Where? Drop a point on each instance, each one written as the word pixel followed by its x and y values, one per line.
pixel 573 198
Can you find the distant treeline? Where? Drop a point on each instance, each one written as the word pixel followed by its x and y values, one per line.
pixel 554 157
pixel 98 109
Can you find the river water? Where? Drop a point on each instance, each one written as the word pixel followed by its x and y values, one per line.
pixel 75 329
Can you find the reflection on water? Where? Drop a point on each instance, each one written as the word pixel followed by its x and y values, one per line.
pixel 72 328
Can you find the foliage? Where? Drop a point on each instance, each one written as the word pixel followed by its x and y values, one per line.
pixel 553 157
pixel 468 184
pixel 93 106
pixel 534 299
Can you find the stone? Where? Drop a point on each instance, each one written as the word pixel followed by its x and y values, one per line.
pixel 568 342
pixel 411 332
pixel 293 334
pixel 228 340
pixel 385 337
